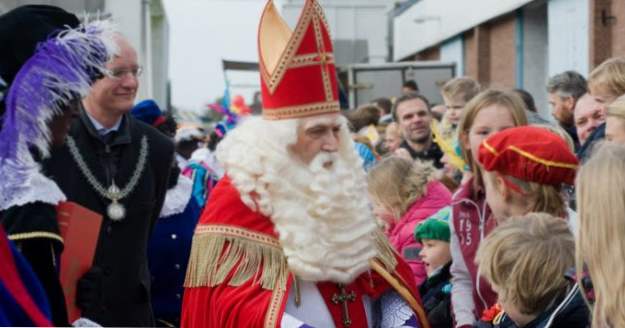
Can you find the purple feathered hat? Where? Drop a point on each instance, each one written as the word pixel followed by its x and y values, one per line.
pixel 62 68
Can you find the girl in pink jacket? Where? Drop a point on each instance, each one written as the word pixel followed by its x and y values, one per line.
pixel 405 193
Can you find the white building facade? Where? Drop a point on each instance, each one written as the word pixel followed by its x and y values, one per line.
pixel 501 43
pixel 359 28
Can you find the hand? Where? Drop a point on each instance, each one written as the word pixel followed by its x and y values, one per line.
pixel 89 289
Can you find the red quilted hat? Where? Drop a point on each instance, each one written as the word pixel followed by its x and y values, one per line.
pixel 297 72
pixel 529 153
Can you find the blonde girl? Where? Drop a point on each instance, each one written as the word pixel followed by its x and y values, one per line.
pixel 404 193
pixel 600 243
pixel 489 112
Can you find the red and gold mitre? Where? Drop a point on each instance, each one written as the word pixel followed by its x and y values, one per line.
pixel 297 71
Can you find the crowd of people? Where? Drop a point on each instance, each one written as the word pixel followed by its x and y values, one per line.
pixel 507 257
pixel 476 212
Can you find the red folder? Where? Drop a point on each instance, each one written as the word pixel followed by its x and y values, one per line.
pixel 80 229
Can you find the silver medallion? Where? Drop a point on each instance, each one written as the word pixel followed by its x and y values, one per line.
pixel 116 211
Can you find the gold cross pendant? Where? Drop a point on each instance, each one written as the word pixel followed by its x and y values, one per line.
pixel 344 297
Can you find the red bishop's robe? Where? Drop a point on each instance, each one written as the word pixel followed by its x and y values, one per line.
pixel 238 275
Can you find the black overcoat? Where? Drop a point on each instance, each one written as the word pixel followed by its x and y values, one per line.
pixel 124 297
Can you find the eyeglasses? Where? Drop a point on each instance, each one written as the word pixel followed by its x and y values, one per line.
pixel 120 73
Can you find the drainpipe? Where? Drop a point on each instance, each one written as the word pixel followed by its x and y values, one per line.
pixel 145 50
pixel 520 48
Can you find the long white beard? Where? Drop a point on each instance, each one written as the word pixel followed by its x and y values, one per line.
pixel 324 220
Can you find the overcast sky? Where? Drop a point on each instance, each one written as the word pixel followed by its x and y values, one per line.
pixel 202 32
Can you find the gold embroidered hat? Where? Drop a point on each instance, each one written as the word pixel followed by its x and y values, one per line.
pixel 297 71
pixel 529 153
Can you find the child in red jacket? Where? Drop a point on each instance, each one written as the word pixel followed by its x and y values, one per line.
pixel 404 193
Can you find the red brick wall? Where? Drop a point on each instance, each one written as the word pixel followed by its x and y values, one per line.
pixel 470 54
pixel 502 35
pixel 600 35
pixel 477 54
pixel 483 53
pixel 433 53
pixel 618 27
pixel 489 51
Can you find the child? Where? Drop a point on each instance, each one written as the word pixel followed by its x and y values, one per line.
pixel 489 112
pixel 532 294
pixel 435 292
pixel 392 137
pixel 404 193
pixel 600 243
pixel 456 94
pixel 605 83
pixel 524 169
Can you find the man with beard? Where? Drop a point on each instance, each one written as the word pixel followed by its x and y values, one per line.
pixel 412 113
pixel 564 90
pixel 287 238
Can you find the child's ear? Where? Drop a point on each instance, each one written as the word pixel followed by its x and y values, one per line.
pixel 500 184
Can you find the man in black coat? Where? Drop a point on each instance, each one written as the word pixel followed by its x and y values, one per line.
pixel 118 167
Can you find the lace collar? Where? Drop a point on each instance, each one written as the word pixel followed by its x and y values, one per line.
pixel 177 197
pixel 35 188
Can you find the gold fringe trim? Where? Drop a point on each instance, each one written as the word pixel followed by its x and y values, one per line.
pixel 386 253
pixel 35 234
pixel 277 297
pixel 217 251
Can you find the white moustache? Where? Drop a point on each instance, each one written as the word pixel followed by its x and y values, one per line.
pixel 323 160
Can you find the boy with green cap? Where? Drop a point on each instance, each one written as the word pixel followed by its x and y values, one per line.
pixel 435 292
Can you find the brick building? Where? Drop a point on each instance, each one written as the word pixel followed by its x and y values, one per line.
pixel 512 43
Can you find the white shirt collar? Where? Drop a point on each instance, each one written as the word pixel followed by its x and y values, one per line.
pixel 100 128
